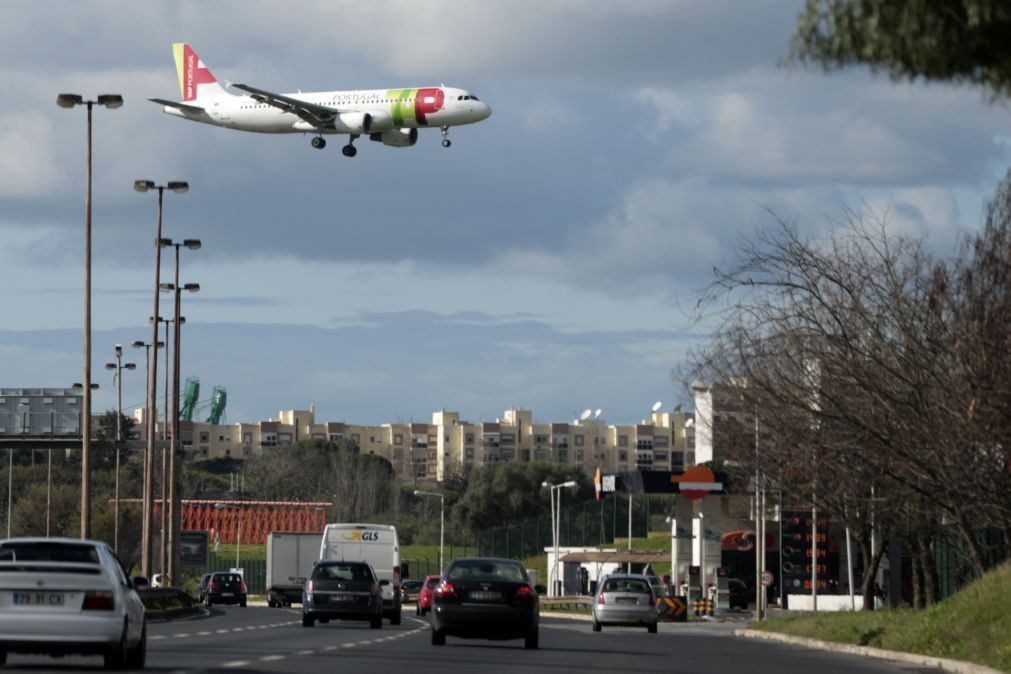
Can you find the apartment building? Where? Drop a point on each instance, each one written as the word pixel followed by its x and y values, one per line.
pixel 449 445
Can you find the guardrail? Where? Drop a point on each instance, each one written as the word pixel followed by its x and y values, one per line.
pixel 165 602
pixel 570 603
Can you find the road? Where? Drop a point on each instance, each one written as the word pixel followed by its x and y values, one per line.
pixel 260 639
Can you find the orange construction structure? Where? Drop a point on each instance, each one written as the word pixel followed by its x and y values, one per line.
pixel 251 521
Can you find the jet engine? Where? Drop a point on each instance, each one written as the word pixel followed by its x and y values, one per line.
pixel 396 137
pixel 358 123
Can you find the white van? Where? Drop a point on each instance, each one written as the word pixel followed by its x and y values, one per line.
pixel 376 544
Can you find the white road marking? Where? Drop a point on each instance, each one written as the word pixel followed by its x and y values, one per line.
pixel 236 663
pixel 271 658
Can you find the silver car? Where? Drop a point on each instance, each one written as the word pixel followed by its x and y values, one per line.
pixel 625 599
pixel 67 595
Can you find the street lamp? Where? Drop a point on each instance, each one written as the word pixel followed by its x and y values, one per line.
pixel 163 530
pixel 178 187
pixel 118 367
pixel 442 521
pixel 556 525
pixel 68 101
pixel 174 514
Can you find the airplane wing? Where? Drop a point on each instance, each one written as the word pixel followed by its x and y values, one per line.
pixel 179 106
pixel 317 115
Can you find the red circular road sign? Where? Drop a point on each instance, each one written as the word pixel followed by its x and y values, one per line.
pixel 767 578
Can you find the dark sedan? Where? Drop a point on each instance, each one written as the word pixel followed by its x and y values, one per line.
pixel 225 588
pixel 486 598
pixel 342 591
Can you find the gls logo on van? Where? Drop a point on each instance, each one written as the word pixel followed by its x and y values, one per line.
pixel 371 536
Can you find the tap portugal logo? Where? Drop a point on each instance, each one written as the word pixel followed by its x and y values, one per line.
pixel 416 103
pixel 192 73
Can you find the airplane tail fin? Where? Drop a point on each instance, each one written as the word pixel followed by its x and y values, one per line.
pixel 195 79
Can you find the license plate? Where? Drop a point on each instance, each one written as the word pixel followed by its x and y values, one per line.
pixel 226 594
pixel 485 595
pixel 627 600
pixel 343 597
pixel 38 599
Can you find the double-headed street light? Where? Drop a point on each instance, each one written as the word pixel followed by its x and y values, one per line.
pixel 150 416
pixel 174 513
pixel 442 522
pixel 118 368
pixel 68 101
pixel 556 525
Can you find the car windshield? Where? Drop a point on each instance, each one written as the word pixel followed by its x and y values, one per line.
pixel 342 572
pixel 432 582
pixel 48 552
pixel 486 570
pixel 626 585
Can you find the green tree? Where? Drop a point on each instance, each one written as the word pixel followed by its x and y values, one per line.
pixel 962 41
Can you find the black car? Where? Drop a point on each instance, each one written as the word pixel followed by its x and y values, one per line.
pixel 225 587
pixel 486 598
pixel 343 591
pixel 409 590
pixel 740 594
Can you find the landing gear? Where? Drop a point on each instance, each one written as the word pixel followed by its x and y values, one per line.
pixel 319 142
pixel 350 150
pixel 446 142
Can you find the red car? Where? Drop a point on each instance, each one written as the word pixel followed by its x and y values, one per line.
pixel 425 594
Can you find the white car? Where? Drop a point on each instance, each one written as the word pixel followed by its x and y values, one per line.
pixel 67 595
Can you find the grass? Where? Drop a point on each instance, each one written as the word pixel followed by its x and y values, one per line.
pixel 973 625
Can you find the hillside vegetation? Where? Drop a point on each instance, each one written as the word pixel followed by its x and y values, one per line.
pixel 973 625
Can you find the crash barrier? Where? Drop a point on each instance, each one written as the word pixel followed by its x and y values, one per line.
pixel 674 609
pixel 703 607
pixel 575 602
pixel 165 602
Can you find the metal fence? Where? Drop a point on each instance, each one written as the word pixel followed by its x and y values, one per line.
pixel 951 559
pixel 586 524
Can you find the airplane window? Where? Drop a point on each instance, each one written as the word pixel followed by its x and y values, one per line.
pixel 473 98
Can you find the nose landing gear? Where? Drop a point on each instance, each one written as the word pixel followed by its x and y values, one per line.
pixel 446 142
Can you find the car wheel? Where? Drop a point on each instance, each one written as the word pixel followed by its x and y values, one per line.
pixel 418 611
pixel 115 657
pixel 307 621
pixel 596 626
pixel 242 603
pixel 207 601
pixel 136 656
pixel 651 628
pixel 530 642
pixel 438 638
pixel 3 657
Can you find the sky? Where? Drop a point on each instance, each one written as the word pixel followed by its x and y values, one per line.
pixel 549 260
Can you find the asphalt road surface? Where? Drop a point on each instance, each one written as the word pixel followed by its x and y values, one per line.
pixel 260 639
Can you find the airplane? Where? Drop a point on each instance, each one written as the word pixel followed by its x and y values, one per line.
pixel 389 116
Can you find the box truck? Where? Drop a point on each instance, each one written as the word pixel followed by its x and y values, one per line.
pixel 290 558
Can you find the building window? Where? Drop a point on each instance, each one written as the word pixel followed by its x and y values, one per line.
pixel 507 438
pixel 578 439
pixel 247 438
pixel 623 456
pixel 540 439
pixel 660 441
pixel 398 439
pixel 356 438
pixel 469 439
pixel 205 437
pixel 623 441
pixel 691 442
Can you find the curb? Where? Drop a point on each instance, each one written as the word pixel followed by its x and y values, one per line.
pixel 943 664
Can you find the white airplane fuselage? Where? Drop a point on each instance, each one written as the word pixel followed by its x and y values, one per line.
pixel 387 109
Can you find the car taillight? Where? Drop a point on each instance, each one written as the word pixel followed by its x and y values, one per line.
pixel 445 590
pixel 600 599
pixel 211 585
pixel 652 599
pixel 242 586
pixel 99 601
pixel 524 593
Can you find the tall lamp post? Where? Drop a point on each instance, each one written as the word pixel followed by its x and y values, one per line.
pixel 174 512
pixel 110 101
pixel 556 524
pixel 178 187
pixel 442 522
pixel 118 368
